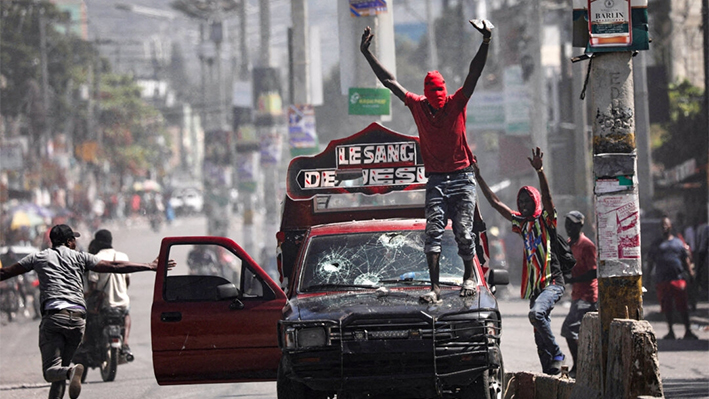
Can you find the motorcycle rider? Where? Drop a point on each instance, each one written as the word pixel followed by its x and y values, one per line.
pixel 110 289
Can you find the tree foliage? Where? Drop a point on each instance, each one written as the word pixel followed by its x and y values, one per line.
pixel 133 131
pixel 685 135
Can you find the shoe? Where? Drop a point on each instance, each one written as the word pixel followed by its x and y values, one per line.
pixel 555 367
pixel 690 335
pixel 75 381
pixel 127 353
pixel 468 288
pixel 430 298
pixel 670 335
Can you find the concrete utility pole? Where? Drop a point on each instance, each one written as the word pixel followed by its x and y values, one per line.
pixel 616 191
pixel 44 137
pixel 301 60
pixel 642 112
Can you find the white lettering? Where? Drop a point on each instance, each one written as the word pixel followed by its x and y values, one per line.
pixel 341 156
pixel 405 175
pixel 312 179
pixel 328 178
pixel 368 154
pixel 354 155
pixel 408 152
pixel 380 155
pixel 392 153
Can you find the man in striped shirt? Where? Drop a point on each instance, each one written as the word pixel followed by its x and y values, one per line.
pixel 542 279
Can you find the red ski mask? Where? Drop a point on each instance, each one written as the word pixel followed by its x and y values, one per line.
pixel 434 88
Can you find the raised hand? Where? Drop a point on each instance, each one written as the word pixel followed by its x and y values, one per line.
pixel 536 160
pixel 483 26
pixel 367 37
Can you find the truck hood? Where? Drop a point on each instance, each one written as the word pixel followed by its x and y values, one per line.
pixel 340 305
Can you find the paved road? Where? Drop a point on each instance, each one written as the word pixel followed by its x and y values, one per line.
pixel 684 365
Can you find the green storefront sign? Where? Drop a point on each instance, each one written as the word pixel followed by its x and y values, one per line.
pixel 368 101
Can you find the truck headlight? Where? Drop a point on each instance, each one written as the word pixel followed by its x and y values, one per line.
pixel 310 337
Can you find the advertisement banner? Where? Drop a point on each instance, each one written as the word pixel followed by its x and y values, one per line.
pixel 366 8
pixel 369 101
pixel 301 127
pixel 609 23
pixel 270 147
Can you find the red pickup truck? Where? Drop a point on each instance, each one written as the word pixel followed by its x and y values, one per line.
pixel 347 321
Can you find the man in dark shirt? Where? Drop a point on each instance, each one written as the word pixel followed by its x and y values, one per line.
pixel 542 280
pixel 59 270
pixel 670 259
pixel 450 190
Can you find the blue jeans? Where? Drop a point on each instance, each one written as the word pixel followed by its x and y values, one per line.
pixel 540 308
pixel 451 196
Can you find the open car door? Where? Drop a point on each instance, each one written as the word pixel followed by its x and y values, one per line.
pixel 215 315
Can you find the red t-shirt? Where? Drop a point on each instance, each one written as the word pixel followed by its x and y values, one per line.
pixel 444 142
pixel 584 251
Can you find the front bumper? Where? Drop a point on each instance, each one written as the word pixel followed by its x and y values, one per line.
pixel 417 354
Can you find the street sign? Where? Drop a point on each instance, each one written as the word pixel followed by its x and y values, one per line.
pixel 369 101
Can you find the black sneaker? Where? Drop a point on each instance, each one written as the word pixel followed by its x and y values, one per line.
pixel 670 335
pixel 127 353
pixel 555 367
pixel 690 335
pixel 75 381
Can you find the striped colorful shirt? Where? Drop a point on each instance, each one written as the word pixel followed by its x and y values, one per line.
pixel 537 272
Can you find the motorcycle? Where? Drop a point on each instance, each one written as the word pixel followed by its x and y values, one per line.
pixel 103 343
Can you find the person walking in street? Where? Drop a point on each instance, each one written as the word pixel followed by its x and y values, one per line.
pixel 59 270
pixel 584 291
pixel 450 190
pixel 542 279
pixel 110 288
pixel 669 258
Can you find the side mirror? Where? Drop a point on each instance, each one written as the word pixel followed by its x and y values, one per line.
pixel 227 291
pixel 498 277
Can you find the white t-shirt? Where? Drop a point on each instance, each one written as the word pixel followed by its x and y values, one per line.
pixel 114 285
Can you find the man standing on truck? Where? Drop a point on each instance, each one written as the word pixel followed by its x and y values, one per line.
pixel 450 190
pixel 542 279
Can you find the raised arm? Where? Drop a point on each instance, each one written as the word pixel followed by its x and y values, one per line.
pixel 12 271
pixel 384 76
pixel 495 202
pixel 478 62
pixel 538 165
pixel 118 266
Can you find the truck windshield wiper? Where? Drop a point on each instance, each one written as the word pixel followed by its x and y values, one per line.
pixel 415 281
pixel 319 286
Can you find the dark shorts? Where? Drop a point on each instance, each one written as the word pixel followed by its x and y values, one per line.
pixel 672 291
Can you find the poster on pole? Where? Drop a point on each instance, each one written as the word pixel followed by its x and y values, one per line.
pixel 609 23
pixel 302 137
pixel 618 227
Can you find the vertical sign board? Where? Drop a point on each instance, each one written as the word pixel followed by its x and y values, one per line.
pixel 302 137
pixel 609 23
pixel 366 8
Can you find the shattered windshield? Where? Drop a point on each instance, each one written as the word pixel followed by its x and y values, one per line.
pixel 372 260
